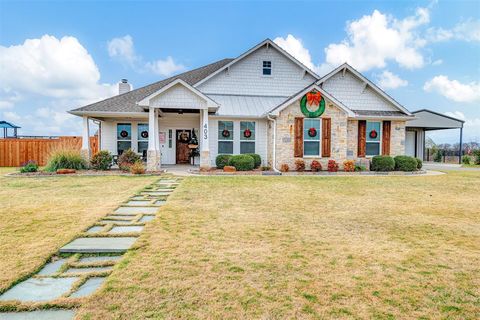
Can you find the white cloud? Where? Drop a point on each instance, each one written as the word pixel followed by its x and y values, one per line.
pixel 453 89
pixel 471 127
pixel 437 62
pixel 455 114
pixel 123 49
pixel 468 30
pixel 377 38
pixel 11 116
pixel 388 80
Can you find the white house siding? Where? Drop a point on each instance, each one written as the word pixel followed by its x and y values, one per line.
pixel 351 92
pixel 260 140
pixel 178 97
pixel 245 77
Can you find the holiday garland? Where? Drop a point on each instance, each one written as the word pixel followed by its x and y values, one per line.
pixel 315 99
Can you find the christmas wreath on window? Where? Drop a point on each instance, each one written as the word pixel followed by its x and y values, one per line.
pixel 144 134
pixel 226 133
pixel 247 133
pixel 312 104
pixel 312 132
pixel 123 133
pixel 373 134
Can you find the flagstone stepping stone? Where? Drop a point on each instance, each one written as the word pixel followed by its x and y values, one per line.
pixel 88 270
pixel 160 202
pixel 135 210
pixel 146 218
pixel 139 203
pixel 39 289
pixel 116 221
pixel 52 267
pixel 99 245
pixel 156 193
pixel 120 217
pixel 88 287
pixel 39 315
pixel 138 198
pixel 99 259
pixel 125 229
pixel 95 229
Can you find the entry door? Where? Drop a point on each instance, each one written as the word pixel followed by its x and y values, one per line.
pixel 183 152
pixel 410 143
pixel 167 146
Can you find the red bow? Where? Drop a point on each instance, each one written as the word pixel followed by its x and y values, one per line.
pixel 313 98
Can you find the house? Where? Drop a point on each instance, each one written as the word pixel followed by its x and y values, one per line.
pixel 264 101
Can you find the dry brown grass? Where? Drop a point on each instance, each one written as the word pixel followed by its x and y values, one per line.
pixel 304 247
pixel 39 215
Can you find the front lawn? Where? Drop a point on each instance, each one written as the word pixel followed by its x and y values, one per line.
pixel 304 247
pixel 39 215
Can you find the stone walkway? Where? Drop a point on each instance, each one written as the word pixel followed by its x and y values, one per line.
pixel 81 266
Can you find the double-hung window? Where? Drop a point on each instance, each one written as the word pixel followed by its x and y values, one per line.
pixel 311 137
pixel 225 137
pixel 247 137
pixel 373 138
pixel 124 137
pixel 142 137
pixel 267 68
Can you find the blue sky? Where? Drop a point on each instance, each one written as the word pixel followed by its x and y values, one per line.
pixel 424 54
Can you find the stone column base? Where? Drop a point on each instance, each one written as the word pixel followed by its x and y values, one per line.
pixel 85 153
pixel 153 160
pixel 204 160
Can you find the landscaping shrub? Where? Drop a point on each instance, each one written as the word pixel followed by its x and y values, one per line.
pixel 242 162
pixel 360 167
pixel 222 160
pixel 419 163
pixel 256 158
pixel 137 167
pixel 383 163
pixel 299 165
pixel 66 159
pixel 476 154
pixel 101 160
pixel 127 159
pixel 405 163
pixel 284 167
pixel 332 166
pixel 466 159
pixel 30 166
pixel 437 156
pixel 316 166
pixel 349 165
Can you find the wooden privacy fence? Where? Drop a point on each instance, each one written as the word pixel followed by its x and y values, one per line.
pixel 15 152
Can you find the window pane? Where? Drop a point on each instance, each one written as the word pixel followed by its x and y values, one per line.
pixel 142 146
pixel 373 148
pixel 124 131
pixel 247 147
pixel 244 125
pixel 267 64
pixel 142 132
pixel 267 71
pixel 123 146
pixel 311 148
pixel 311 123
pixel 225 125
pixel 225 147
pixel 373 131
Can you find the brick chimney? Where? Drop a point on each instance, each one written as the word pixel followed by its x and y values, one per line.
pixel 124 86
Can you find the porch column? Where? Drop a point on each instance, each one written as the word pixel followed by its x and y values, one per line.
pixel 153 152
pixel 85 151
pixel 204 145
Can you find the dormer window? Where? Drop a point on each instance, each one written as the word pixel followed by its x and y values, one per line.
pixel 267 68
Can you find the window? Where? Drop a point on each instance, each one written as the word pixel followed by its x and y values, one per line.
pixel 247 137
pixel 267 68
pixel 373 138
pixel 170 134
pixel 142 137
pixel 124 137
pixel 225 137
pixel 311 137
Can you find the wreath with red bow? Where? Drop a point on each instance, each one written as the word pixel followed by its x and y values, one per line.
pixel 144 134
pixel 247 133
pixel 312 99
pixel 373 134
pixel 312 132
pixel 225 133
pixel 123 134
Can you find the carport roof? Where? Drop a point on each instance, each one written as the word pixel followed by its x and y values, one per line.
pixel 431 120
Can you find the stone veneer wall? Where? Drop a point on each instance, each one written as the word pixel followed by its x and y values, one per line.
pixel 397 139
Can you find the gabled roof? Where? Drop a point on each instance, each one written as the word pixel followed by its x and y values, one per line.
pixel 266 42
pixel 127 102
pixel 370 84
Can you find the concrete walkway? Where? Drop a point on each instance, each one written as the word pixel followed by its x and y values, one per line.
pixel 81 266
pixel 446 166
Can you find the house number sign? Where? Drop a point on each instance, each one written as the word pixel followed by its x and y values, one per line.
pixel 205 131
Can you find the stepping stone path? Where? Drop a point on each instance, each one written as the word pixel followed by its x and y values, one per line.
pixel 81 266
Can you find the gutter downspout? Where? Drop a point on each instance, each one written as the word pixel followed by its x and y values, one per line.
pixel 274 160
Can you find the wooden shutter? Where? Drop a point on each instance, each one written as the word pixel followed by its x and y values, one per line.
pixel 298 142
pixel 386 138
pixel 362 138
pixel 326 137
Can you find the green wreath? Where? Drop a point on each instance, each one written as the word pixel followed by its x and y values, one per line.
pixel 312 114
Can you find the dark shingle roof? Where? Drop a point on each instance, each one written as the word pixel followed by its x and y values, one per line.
pixel 127 102
pixel 379 113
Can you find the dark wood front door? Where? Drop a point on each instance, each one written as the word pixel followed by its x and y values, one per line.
pixel 183 152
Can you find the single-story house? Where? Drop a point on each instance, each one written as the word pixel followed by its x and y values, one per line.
pixel 264 101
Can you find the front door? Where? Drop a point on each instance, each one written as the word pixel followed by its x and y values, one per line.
pixel 183 152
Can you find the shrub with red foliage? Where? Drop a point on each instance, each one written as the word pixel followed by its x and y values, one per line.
pixel 332 166
pixel 316 166
pixel 300 165
pixel 284 167
pixel 349 165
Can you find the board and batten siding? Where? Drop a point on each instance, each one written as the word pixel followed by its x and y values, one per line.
pixel 245 77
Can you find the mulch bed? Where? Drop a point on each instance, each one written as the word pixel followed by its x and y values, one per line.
pixel 113 172
pixel 220 172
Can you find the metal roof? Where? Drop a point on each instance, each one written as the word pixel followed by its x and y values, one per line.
pixel 8 125
pixel 245 105
pixel 431 120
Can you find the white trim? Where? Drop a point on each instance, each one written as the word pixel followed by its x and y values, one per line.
pixel 380 141
pixel 108 114
pixel 319 139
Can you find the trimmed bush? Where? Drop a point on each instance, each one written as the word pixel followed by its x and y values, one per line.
pixel 332 166
pixel 316 166
pixel 383 163
pixel 242 162
pixel 101 160
pixel 466 159
pixel 405 163
pixel 222 160
pixel 349 165
pixel 476 154
pixel 360 167
pixel 256 158
pixel 419 163
pixel 300 165
pixel 30 166
pixel 66 159
pixel 127 159
pixel 137 167
pixel 284 167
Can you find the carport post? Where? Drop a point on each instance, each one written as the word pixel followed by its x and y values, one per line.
pixel 461 138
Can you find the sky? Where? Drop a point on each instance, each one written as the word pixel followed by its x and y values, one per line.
pixel 57 56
